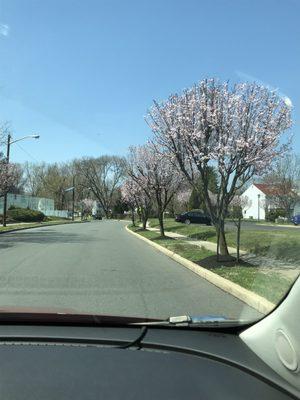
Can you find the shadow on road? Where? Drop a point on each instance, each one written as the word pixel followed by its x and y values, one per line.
pixel 44 237
pixel 5 245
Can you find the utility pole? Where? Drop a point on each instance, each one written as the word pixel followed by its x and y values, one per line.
pixel 73 199
pixel 9 143
pixel 72 188
pixel 5 193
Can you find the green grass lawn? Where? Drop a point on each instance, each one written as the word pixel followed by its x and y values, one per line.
pixel 184 249
pixel 281 244
pixel 194 231
pixel 268 284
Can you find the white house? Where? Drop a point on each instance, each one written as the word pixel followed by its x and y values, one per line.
pixel 260 198
pixel 256 193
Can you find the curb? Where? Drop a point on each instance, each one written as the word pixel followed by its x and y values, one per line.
pixel 253 300
pixel 41 226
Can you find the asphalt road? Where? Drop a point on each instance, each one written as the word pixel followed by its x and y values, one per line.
pixel 98 267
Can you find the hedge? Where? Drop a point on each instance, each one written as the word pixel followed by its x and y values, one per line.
pixel 25 215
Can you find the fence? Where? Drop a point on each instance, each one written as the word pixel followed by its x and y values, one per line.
pixel 57 213
pixel 42 204
pixel 25 201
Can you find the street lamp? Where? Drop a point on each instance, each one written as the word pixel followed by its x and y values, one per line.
pixel 258 206
pixel 24 137
pixel 72 188
pixel 9 143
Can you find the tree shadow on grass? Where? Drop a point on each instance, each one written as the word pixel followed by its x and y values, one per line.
pixel 211 262
pixel 203 235
pixel 154 238
pixel 162 238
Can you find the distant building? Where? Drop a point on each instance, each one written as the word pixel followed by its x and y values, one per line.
pixel 257 200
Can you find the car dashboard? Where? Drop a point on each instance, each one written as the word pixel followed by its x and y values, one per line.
pixel 75 362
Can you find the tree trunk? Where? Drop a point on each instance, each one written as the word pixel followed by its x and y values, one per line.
pixel 172 209
pixel 238 239
pixel 132 217
pixel 106 213
pixel 218 243
pixel 161 223
pixel 223 248
pixel 139 214
pixel 144 215
pixel 145 219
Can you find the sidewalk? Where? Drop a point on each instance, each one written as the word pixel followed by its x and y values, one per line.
pixel 17 223
pixel 201 243
pixel 282 225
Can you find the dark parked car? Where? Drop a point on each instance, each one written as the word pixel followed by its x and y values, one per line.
pixel 98 215
pixel 296 219
pixel 196 217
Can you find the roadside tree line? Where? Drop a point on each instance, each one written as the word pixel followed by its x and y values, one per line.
pixel 207 144
pixel 236 131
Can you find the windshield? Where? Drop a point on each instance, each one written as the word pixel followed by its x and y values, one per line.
pixel 149 157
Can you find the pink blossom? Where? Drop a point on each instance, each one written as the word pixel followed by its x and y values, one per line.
pixel 8 174
pixel 237 130
pixel 87 205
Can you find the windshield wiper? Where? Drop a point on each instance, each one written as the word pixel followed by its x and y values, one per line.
pixel 194 321
pixel 69 317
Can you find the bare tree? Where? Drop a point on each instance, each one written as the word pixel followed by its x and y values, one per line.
pixel 34 175
pixel 103 176
pixel 285 183
pixel 49 180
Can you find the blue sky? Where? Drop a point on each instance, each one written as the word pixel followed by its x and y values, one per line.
pixel 83 73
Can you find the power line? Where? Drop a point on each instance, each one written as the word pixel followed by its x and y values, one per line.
pixel 25 151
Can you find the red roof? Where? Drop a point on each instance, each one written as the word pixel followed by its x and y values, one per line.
pixel 267 189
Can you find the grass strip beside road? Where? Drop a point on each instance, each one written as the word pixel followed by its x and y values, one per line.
pixel 282 244
pixel 268 284
pixel 184 249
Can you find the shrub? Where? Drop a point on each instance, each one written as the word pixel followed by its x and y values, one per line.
pixel 25 215
pixel 272 215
